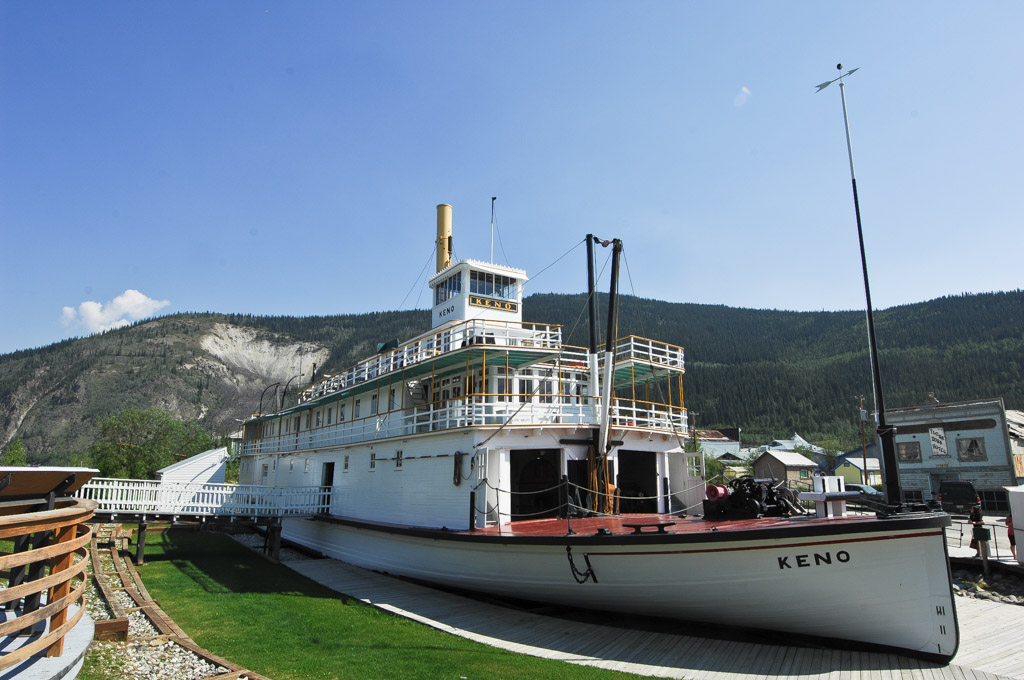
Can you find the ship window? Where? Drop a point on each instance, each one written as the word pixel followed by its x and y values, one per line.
pixel 546 392
pixel 307 465
pixel 291 466
pixel 492 285
pixel 344 465
pixel 693 466
pixel 373 460
pixel 398 459
pixel 525 389
pixel 447 289
pixel 392 403
pixel 341 413
pixel 309 419
pixel 373 405
pixel 318 423
pixel 355 411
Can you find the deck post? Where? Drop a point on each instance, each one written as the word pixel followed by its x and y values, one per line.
pixel 140 545
pixel 274 539
pixel 472 510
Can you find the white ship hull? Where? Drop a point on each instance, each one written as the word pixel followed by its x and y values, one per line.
pixel 885 585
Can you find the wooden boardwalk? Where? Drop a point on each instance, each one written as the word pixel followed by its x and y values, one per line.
pixel 992 638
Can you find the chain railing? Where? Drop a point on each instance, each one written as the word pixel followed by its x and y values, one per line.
pixel 570 501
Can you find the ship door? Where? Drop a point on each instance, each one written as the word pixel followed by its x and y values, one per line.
pixel 579 483
pixel 638 481
pixel 327 481
pixel 535 483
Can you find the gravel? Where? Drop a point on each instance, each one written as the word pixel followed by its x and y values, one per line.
pixel 153 660
pixel 256 541
pixel 1005 588
pixel 146 655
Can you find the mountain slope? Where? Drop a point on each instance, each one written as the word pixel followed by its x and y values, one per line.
pixel 769 372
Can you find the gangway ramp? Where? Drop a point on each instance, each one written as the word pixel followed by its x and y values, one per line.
pixel 142 502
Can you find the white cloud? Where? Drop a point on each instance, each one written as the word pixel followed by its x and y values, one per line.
pixel 129 306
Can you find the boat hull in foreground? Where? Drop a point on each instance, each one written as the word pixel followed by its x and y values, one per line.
pixel 877 581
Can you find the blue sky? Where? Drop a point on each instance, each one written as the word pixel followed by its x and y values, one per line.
pixel 286 158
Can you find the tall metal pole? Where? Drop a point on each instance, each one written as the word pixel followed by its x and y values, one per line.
pixel 884 431
pixel 493 199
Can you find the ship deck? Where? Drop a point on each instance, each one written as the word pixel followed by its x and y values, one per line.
pixel 651 529
pixel 655 524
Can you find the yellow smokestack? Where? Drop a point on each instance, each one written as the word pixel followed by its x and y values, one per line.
pixel 444 236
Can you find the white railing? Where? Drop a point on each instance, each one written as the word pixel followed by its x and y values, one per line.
pixel 476 332
pixel 636 348
pixel 137 496
pixel 479 410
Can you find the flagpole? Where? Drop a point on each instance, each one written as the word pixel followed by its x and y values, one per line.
pixel 884 431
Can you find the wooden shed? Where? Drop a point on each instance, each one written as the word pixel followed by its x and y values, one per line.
pixel 786 465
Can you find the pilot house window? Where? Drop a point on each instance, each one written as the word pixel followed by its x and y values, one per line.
pixel 447 289
pixel 492 285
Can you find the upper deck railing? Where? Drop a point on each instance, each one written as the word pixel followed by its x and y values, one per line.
pixel 154 498
pixel 635 348
pixel 476 411
pixel 530 336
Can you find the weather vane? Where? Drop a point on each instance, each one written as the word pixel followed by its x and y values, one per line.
pixel 840 78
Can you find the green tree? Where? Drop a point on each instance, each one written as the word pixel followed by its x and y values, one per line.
pixel 14 455
pixel 713 468
pixel 135 443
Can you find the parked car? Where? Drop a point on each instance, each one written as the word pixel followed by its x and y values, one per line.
pixel 869 492
pixel 958 497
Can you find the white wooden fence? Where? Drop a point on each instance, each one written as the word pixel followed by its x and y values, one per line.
pixel 145 497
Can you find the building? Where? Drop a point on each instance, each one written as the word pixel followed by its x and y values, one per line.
pixel 976 441
pixel 872 451
pixel 203 468
pixel 797 442
pixel 852 470
pixel 787 465
pixel 717 443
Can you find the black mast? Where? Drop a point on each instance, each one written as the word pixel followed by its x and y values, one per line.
pixel 591 294
pixel 885 432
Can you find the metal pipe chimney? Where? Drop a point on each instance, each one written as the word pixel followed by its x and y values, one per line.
pixel 444 236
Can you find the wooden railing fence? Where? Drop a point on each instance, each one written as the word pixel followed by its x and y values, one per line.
pixel 44 569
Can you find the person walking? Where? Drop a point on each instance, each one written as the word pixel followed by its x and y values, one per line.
pixel 976 520
pixel 1013 540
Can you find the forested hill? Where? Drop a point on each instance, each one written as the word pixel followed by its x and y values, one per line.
pixel 769 372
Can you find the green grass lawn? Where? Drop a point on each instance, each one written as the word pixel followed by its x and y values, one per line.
pixel 277 623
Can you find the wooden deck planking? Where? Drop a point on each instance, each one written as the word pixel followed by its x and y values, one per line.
pixel 989 638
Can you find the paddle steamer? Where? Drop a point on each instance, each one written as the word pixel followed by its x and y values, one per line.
pixel 487 454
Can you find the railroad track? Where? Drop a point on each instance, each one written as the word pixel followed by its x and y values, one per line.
pixel 138 637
